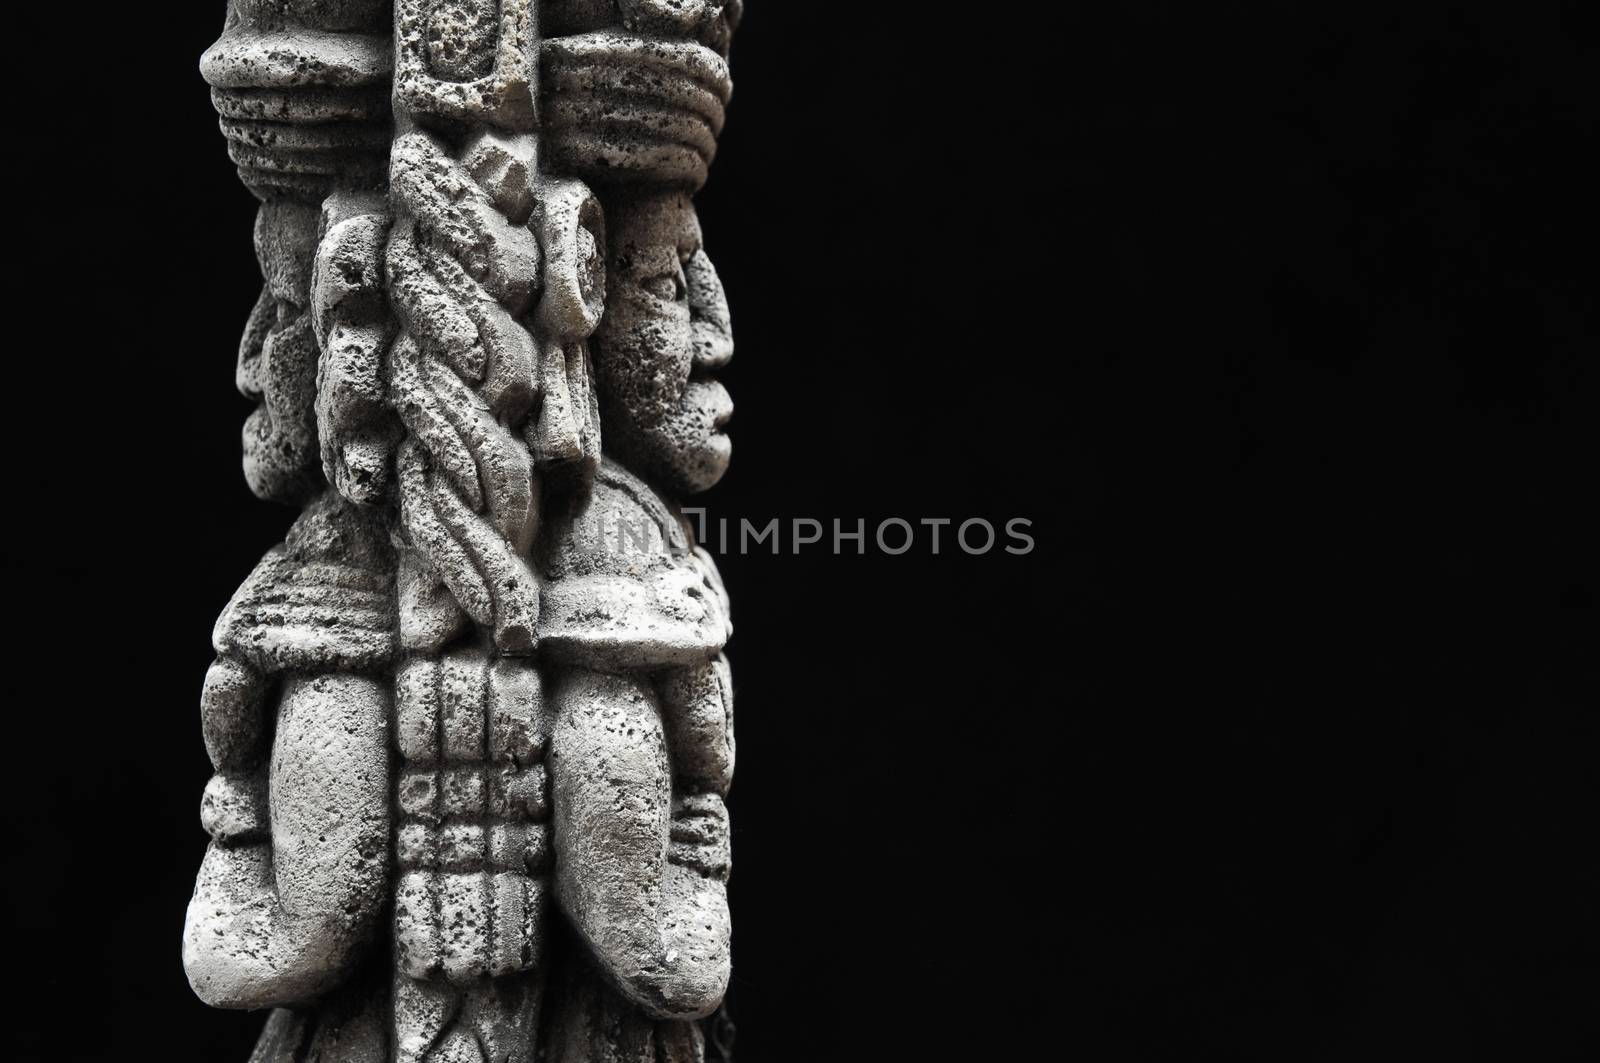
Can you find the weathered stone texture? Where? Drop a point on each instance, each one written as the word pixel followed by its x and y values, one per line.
pixel 472 722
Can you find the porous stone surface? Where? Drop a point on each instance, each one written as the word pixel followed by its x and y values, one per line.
pixel 471 722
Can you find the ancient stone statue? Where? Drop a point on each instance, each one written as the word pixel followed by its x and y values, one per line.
pixel 471 722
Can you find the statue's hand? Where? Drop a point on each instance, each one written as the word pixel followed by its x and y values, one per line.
pixel 697 715
pixel 234 809
pixel 700 836
pixel 233 721
pixel 233 715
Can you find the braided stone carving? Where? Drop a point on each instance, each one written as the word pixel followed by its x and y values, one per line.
pixel 472 722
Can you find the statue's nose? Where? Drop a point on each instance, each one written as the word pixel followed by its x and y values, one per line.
pixel 708 308
pixel 248 370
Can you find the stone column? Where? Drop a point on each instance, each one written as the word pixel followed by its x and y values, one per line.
pixel 471 721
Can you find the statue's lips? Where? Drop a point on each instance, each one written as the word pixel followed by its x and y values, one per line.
pixel 710 401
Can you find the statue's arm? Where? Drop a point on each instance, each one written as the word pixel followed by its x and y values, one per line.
pixel 640 833
pixel 288 893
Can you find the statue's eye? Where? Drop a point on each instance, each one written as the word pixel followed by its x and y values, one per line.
pixel 666 286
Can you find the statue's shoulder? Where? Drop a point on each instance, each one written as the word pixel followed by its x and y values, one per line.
pixel 624 585
pixel 321 600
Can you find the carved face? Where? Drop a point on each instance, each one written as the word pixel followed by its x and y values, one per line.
pixel 664 335
pixel 278 360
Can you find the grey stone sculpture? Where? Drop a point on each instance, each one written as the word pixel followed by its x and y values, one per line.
pixel 471 722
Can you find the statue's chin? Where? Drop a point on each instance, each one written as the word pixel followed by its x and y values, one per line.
pixel 705 465
pixel 679 464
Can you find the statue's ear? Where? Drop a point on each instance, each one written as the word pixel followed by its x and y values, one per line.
pixel 571 229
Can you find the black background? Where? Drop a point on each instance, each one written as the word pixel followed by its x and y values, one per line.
pixel 1279 326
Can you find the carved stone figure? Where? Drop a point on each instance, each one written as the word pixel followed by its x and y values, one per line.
pixel 471 722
